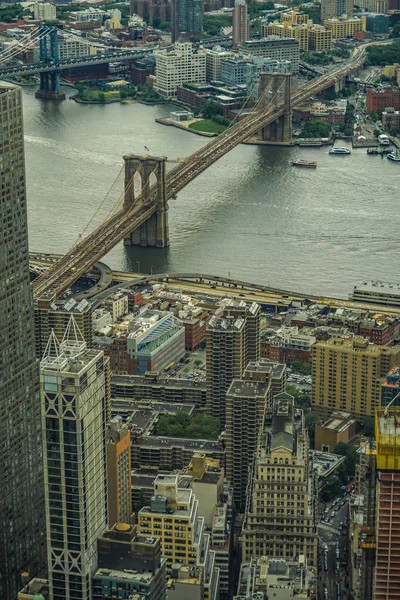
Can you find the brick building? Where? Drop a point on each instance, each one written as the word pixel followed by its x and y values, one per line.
pixel 378 100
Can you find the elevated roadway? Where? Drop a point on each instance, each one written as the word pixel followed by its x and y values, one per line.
pixel 197 283
pixel 92 248
pixel 73 63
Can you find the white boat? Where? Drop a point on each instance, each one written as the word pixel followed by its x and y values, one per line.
pixel 339 151
pixel 394 156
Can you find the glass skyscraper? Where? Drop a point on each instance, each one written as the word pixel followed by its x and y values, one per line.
pixel 187 19
pixel 22 524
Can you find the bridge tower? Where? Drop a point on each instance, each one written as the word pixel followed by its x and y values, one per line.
pixel 154 231
pixel 280 130
pixel 48 49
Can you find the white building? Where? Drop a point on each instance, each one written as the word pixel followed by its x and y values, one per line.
pixel 177 65
pixel 74 408
pixel 214 58
pixel 70 46
pixel 44 11
pixel 90 14
pixel 274 47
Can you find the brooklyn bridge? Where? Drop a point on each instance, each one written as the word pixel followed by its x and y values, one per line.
pixel 143 218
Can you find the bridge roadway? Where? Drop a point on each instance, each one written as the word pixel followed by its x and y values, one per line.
pixel 92 248
pixel 212 285
pixel 73 63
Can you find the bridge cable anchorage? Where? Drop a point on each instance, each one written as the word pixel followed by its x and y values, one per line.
pixel 88 251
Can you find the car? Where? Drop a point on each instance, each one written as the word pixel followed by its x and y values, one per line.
pixel 332 514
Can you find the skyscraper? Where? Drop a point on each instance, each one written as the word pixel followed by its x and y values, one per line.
pixel 21 472
pixel 240 23
pixel 75 410
pixel 186 19
pixel 336 8
pixel 280 515
pixel 119 472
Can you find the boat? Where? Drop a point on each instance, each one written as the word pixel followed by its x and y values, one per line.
pixel 395 156
pixel 339 151
pixel 308 164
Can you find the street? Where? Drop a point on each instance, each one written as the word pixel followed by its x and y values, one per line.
pixel 333 574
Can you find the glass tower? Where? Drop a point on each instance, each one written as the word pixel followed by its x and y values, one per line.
pixel 187 19
pixel 21 473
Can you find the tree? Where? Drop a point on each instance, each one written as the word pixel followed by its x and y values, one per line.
pixel 369 426
pixel 316 129
pixel 395 31
pixel 198 363
pixel 310 421
pixel 211 108
pixel 350 453
pixel 179 425
pixel 301 400
pixel 300 367
pixel 331 489
pixel 156 22
pixel 374 115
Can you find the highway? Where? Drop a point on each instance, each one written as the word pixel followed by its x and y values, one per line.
pixel 196 283
pixel 92 248
pixel 73 63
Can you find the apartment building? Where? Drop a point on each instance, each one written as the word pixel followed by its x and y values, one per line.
pixel 289 344
pixel 246 401
pixel 319 38
pixel 75 409
pixel 343 28
pixel 173 518
pixel 44 11
pixel 240 23
pixel 347 373
pixel 280 513
pixel 119 472
pixel 336 8
pixel 214 58
pixel 155 386
pixel 129 563
pixel 286 30
pixel 273 47
pixel 179 64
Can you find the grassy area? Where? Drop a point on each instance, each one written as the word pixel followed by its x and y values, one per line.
pixel 208 126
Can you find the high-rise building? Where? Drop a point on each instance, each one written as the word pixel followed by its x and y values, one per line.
pixel 177 65
pixel 319 38
pixel 22 523
pixel 387 530
pixel 336 8
pixel 129 563
pixel 280 515
pixel 233 340
pixel 347 373
pixel 173 517
pixel 225 360
pixel 186 20
pixel 275 48
pixel 44 11
pixel 119 472
pixel 75 409
pixel 343 28
pixel 240 23
pixel 246 401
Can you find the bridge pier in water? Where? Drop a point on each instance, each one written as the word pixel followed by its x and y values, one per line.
pixel 280 130
pixel 48 48
pixel 155 231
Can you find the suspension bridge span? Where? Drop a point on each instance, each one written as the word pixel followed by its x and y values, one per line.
pixel 89 250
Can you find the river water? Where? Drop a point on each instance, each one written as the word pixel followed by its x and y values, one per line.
pixel 251 216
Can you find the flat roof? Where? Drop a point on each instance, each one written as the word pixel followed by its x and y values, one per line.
pixel 378 287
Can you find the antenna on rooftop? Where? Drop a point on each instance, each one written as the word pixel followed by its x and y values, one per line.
pixel 388 405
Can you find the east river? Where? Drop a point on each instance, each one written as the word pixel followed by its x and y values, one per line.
pixel 251 216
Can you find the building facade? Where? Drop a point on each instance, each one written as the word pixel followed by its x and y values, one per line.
pixel 119 472
pixel 275 48
pixel 336 8
pixel 347 373
pixel 186 20
pixel 179 65
pixel 240 23
pixel 22 522
pixel 280 515
pixel 44 11
pixel 75 409
pixel 344 28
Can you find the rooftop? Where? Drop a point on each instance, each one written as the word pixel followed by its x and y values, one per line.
pixel 378 287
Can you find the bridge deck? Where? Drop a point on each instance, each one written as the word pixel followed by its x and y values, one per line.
pixel 92 248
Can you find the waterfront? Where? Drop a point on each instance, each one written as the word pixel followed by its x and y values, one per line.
pixel 252 215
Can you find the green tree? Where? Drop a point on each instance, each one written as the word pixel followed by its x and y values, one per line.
pixel 101 97
pixel 316 129
pixel 395 31
pixel 300 367
pixel 369 426
pixel 156 22
pixel 310 421
pixel 211 108
pixel 198 363
pixel 374 115
pixel 165 26
pixel 350 453
pixel 301 400
pixel 179 425
pixel 331 489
